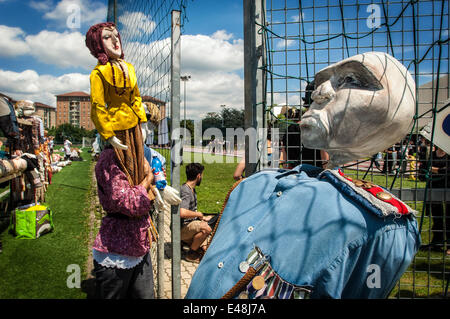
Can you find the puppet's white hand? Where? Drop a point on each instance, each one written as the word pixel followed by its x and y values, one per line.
pixel 144 131
pixel 115 142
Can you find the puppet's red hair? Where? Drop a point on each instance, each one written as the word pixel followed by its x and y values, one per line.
pixel 95 44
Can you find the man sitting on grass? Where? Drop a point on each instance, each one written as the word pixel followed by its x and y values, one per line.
pixel 194 226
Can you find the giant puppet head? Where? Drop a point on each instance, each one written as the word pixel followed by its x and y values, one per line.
pixel 361 106
pixel 103 40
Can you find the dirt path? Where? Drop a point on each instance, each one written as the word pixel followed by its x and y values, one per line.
pixel 94 220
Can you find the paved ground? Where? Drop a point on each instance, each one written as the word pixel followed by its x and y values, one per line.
pixel 187 268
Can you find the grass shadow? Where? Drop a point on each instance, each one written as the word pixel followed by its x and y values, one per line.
pixel 409 294
pixel 168 250
pixel 70 186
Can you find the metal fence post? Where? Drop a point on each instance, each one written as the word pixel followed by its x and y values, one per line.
pixel 160 255
pixel 254 83
pixel 175 144
pixel 115 12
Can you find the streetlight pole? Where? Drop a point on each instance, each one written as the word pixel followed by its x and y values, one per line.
pixel 222 106
pixel 185 78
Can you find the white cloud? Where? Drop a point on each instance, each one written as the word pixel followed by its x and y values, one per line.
pixel 222 35
pixel 281 99
pixel 205 53
pixel 65 83
pixel 134 24
pixel 43 5
pixel 205 92
pixel 41 88
pixel 296 18
pixel 200 54
pixel 90 12
pixel 212 84
pixel 25 82
pixel 12 42
pixel 65 49
pixel 215 63
pixel 284 43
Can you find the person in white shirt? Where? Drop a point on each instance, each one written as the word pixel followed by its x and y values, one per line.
pixel 67 150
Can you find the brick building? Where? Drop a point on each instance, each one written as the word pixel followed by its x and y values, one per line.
pixel 74 108
pixel 47 113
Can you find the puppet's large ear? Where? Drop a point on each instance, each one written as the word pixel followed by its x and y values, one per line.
pixel 115 142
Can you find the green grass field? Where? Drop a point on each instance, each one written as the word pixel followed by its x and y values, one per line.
pixel 36 268
pixel 217 181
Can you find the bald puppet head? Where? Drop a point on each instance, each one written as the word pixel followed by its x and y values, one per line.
pixel 361 106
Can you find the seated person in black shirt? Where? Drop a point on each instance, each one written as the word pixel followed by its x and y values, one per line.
pixel 194 225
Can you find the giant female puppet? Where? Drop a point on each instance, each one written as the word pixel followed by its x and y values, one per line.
pixel 314 233
pixel 117 109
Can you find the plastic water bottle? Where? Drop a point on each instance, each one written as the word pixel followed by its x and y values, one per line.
pixel 158 173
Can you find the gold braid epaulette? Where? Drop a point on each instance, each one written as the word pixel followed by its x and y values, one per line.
pixel 223 208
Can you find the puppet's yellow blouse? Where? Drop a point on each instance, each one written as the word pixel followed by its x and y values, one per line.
pixel 110 111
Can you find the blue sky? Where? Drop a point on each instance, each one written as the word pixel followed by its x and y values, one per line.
pixel 208 16
pixel 42 55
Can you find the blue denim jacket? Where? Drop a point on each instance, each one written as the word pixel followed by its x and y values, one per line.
pixel 317 234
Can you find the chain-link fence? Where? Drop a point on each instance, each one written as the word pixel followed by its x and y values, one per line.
pixel 145 28
pixel 299 38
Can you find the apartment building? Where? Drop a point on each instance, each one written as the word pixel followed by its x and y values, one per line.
pixel 74 108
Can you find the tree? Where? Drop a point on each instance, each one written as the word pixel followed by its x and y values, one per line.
pixel 227 117
pixel 212 119
pixel 190 128
pixel 74 133
pixel 232 117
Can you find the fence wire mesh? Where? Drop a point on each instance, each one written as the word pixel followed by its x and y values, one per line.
pixel 303 37
pixel 145 29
